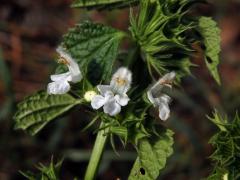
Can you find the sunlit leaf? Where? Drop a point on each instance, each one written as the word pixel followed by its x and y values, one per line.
pixel 226 144
pixel 39 109
pixel 95 48
pixel 152 156
pixel 50 172
pixel 120 131
pixel 101 4
pixel 211 35
pixel 163 32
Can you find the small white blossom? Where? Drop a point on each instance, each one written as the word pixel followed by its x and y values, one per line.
pixel 89 95
pixel 60 84
pixel 113 96
pixel 159 99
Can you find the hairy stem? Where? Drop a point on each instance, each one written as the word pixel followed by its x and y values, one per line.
pixel 96 155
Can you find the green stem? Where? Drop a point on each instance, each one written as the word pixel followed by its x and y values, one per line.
pixel 96 155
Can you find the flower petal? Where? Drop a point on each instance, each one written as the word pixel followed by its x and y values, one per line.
pixel 58 87
pixel 66 56
pixel 121 81
pixel 167 79
pixel 75 72
pixel 61 77
pixel 122 99
pixel 163 99
pixel 164 111
pixel 73 67
pixel 98 101
pixel 151 98
pixel 166 99
pixel 164 82
pixel 62 52
pixel 109 95
pixel 112 107
pixel 103 89
pixel 76 76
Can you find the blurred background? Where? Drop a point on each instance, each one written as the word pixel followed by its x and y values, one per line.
pixel 29 33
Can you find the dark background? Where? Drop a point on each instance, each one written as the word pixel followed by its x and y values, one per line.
pixel 29 33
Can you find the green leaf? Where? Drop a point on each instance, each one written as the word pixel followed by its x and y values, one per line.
pixel 226 144
pixel 211 35
pixel 218 174
pixel 95 48
pixel 39 109
pixel 165 35
pixel 50 172
pixel 152 157
pixel 102 4
pixel 219 121
pixel 120 131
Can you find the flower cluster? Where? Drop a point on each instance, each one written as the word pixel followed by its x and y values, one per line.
pixel 112 97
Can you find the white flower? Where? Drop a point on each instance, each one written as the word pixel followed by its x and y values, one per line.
pixel 113 96
pixel 60 84
pixel 159 99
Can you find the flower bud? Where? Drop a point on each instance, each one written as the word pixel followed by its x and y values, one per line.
pixel 88 96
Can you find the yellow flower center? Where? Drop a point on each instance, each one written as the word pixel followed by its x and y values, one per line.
pixel 166 82
pixel 62 60
pixel 120 81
